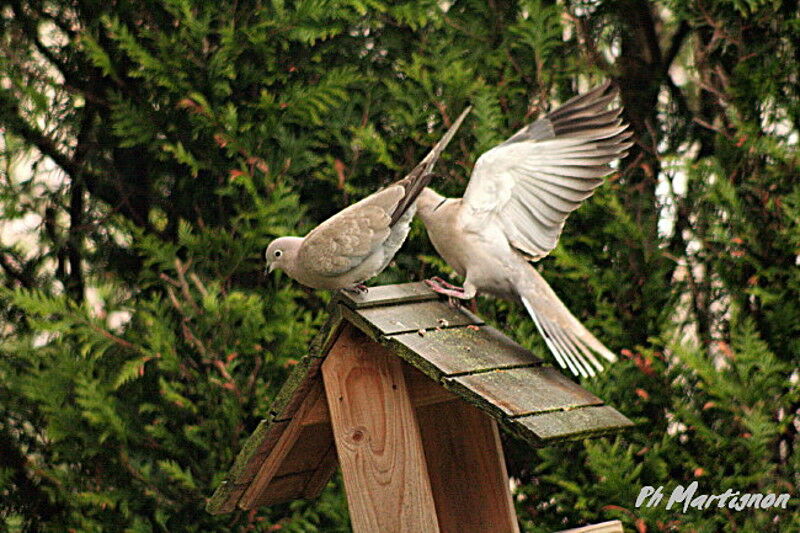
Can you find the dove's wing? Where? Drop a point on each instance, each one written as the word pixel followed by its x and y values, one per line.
pixel 344 241
pixel 534 180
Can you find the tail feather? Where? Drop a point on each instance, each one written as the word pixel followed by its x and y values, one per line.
pixel 421 175
pixel 573 345
pixel 563 361
pixel 584 368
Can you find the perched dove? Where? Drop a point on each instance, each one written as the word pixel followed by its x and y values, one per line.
pixel 358 242
pixel 514 208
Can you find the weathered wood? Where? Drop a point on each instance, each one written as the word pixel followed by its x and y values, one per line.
pixel 423 390
pixel 464 350
pixel 280 489
pixel 329 331
pixel 388 295
pixel 478 364
pixel 294 391
pixel 521 391
pixel 415 316
pixel 282 447
pixel 575 423
pixel 224 498
pixel 255 450
pixel 467 470
pixel 318 414
pixel 312 444
pixel 306 370
pixel 325 469
pixel 614 526
pixel 377 438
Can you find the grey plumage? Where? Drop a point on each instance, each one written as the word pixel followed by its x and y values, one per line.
pixel 358 242
pixel 514 209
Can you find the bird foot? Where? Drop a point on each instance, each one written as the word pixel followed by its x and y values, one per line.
pixel 454 294
pixel 454 302
pixel 358 288
pixel 437 282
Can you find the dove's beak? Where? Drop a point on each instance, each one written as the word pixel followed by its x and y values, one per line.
pixel 270 268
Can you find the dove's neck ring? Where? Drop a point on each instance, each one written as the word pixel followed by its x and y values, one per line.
pixel 428 202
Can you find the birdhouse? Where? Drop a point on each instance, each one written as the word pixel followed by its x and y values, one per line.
pixel 406 394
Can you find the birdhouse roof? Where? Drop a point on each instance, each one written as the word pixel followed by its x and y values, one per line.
pixel 451 353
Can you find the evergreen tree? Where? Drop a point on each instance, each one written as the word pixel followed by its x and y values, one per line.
pixel 152 149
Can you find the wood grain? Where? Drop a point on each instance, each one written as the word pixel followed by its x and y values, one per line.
pixel 282 447
pixel 318 413
pixel 302 377
pixel 388 295
pixel 412 317
pixel 255 450
pixel 325 469
pixel 422 389
pixel 575 423
pixel 281 489
pixel 521 391
pixel 467 469
pixel 463 350
pixel 311 445
pixel 377 438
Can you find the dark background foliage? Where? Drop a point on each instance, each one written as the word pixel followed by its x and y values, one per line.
pixel 152 149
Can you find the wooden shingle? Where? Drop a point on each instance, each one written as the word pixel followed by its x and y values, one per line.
pixel 450 354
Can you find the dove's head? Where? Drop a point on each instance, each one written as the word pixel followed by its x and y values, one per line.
pixel 281 253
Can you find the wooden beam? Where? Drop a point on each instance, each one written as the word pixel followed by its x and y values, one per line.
pixel 377 438
pixel 325 469
pixel 279 452
pixel 422 389
pixel 282 488
pixel 467 469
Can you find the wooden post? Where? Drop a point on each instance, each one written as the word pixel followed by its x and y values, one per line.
pixel 377 438
pixel 467 469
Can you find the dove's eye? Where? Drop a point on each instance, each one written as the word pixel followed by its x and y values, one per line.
pixel 278 253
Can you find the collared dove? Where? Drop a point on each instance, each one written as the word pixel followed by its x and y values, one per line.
pixel 358 242
pixel 514 208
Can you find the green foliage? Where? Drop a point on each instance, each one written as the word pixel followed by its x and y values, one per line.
pixel 141 341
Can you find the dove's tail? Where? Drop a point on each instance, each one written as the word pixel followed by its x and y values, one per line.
pixel 414 183
pixel 573 346
pixel 421 176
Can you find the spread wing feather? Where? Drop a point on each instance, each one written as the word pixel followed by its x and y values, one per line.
pixel 532 182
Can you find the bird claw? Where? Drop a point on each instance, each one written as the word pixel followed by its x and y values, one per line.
pixel 454 302
pixel 454 294
pixel 358 288
pixel 436 280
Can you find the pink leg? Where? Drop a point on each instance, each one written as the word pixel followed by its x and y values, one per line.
pixel 454 294
pixel 358 288
pixel 442 283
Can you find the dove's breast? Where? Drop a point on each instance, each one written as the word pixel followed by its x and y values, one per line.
pixel 481 254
